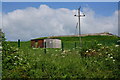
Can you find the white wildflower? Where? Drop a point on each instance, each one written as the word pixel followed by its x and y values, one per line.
pixel 34 48
pixel 15 63
pixel 100 54
pixel 63 56
pixel 98 49
pixel 52 54
pixel 16 48
pixel 108 54
pixel 95 61
pixel 111 49
pixel 87 51
pixel 0 47
pixel 77 51
pixel 21 59
pixel 64 51
pixel 111 57
pixel 118 41
pixel 93 51
pixel 116 45
pixel 106 59
pixel 99 44
pixel 107 47
pixel 90 49
pixel 102 47
pixel 27 63
pixel 15 56
pixel 69 50
pixel 113 60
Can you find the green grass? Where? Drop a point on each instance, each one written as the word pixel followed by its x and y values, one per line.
pixel 98 58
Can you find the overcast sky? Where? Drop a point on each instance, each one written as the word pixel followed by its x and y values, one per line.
pixel 26 21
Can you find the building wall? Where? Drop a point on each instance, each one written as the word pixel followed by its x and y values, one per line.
pixel 57 44
pixel 53 43
pixel 32 43
pixel 37 43
pixel 40 44
pixel 50 43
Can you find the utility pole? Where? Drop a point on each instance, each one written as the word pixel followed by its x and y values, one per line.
pixel 79 15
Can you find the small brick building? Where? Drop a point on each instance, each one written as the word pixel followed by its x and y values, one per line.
pixel 48 43
pixel 37 43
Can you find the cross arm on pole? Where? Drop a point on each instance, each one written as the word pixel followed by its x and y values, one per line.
pixel 80 15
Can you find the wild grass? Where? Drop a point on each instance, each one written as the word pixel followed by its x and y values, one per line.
pixel 98 58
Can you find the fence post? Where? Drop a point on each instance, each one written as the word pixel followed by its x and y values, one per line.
pixel 62 46
pixel 45 48
pixel 75 45
pixel 42 67
pixel 18 43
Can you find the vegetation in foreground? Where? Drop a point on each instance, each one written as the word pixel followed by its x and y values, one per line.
pixel 98 58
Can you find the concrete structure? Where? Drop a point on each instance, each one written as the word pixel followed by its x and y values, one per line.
pixel 53 43
pixel 48 43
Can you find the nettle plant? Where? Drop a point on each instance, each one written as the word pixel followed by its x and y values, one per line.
pixel 9 55
pixel 118 42
pixel 6 48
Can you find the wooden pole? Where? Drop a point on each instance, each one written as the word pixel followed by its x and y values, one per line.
pixel 75 45
pixel 62 46
pixel 45 48
pixel 18 43
pixel 79 25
